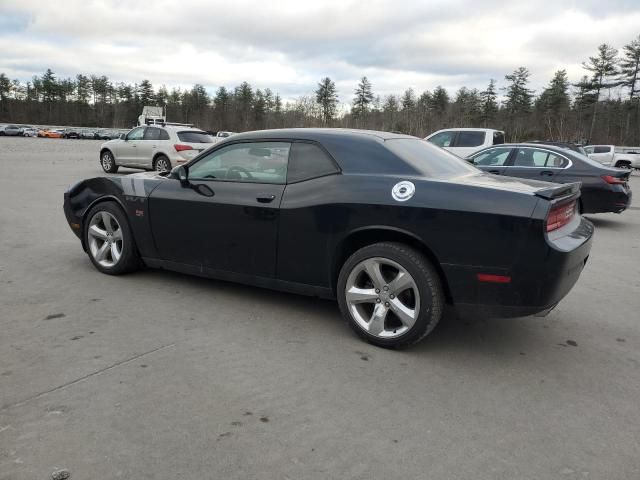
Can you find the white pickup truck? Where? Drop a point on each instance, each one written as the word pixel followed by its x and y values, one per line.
pixel 612 156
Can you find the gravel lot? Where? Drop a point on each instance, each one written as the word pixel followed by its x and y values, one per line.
pixel 163 376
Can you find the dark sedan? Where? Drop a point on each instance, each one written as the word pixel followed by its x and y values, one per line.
pixel 604 189
pixel 392 226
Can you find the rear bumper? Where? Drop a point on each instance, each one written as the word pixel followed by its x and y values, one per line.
pixel 615 200
pixel 541 279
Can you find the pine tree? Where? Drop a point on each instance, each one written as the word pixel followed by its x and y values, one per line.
pixel 327 98
pixel 145 93
pixel 363 99
pixel 554 104
pixel 489 104
pixel 603 68
pixel 630 67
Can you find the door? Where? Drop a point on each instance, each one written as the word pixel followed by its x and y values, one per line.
pixel 128 149
pixel 492 160
pixel 536 164
pixel 602 153
pixel 226 217
pixel 148 146
pixel 469 142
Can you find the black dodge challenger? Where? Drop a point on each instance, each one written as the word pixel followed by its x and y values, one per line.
pixel 391 226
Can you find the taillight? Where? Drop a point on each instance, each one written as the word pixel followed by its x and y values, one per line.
pixel 560 215
pixel 181 148
pixel 610 179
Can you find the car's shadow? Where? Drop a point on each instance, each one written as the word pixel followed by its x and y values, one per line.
pixel 507 338
pixel 617 223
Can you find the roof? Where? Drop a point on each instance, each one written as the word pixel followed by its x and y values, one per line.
pixel 319 133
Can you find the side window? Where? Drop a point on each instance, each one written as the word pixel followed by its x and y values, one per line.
pixel 470 139
pixel 601 149
pixel 152 133
pixel 136 134
pixel 308 161
pixel 498 138
pixel 164 135
pixel 588 150
pixel 443 139
pixel 495 156
pixel 556 161
pixel 255 162
pixel 530 157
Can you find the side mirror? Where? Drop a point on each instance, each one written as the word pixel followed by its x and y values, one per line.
pixel 181 174
pixel 122 136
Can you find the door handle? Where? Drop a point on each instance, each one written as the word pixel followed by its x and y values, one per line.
pixel 546 173
pixel 265 198
pixel 497 172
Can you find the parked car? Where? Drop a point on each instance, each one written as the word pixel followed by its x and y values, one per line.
pixel 71 133
pixel 154 148
pixel 610 155
pixel 59 133
pixel 603 189
pixel 29 132
pixel 88 134
pixel 576 147
pixel 466 141
pixel 12 130
pixel 392 226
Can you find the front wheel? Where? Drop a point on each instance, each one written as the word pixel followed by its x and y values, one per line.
pixel 162 164
pixel 109 240
pixel 390 294
pixel 108 162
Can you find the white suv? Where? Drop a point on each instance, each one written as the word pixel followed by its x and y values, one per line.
pixel 464 142
pixel 154 147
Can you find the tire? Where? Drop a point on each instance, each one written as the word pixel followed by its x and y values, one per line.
pixel 162 163
pixel 109 240
pixel 421 293
pixel 108 162
pixel 626 165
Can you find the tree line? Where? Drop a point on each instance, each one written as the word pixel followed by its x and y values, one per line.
pixel 601 107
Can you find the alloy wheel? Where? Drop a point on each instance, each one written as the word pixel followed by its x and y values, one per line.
pixel 107 161
pixel 105 239
pixel 161 165
pixel 382 297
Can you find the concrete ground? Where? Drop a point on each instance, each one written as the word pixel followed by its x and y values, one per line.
pixel 162 376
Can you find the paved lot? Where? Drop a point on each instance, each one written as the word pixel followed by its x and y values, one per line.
pixel 163 376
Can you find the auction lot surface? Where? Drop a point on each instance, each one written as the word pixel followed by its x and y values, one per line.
pixel 162 376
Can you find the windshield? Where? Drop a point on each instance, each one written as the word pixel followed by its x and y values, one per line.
pixel 195 137
pixel 428 159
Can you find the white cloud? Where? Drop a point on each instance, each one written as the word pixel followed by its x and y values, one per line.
pixel 289 45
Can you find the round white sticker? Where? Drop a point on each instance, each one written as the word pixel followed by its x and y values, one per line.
pixel 403 191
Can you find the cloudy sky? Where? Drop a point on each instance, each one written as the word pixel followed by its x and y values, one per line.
pixel 289 45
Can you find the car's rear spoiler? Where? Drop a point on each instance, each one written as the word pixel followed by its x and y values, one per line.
pixel 560 192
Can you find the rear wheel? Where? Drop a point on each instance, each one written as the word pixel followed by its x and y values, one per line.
pixel 162 164
pixel 108 162
pixel 390 294
pixel 109 240
pixel 623 164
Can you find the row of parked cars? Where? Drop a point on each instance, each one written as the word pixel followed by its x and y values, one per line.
pixel 78 133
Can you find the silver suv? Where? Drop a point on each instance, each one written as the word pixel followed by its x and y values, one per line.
pixel 154 148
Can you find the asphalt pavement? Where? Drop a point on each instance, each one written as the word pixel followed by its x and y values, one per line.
pixel 157 375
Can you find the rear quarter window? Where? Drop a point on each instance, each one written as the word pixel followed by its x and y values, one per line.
pixel 428 160
pixel 307 161
pixel 195 137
